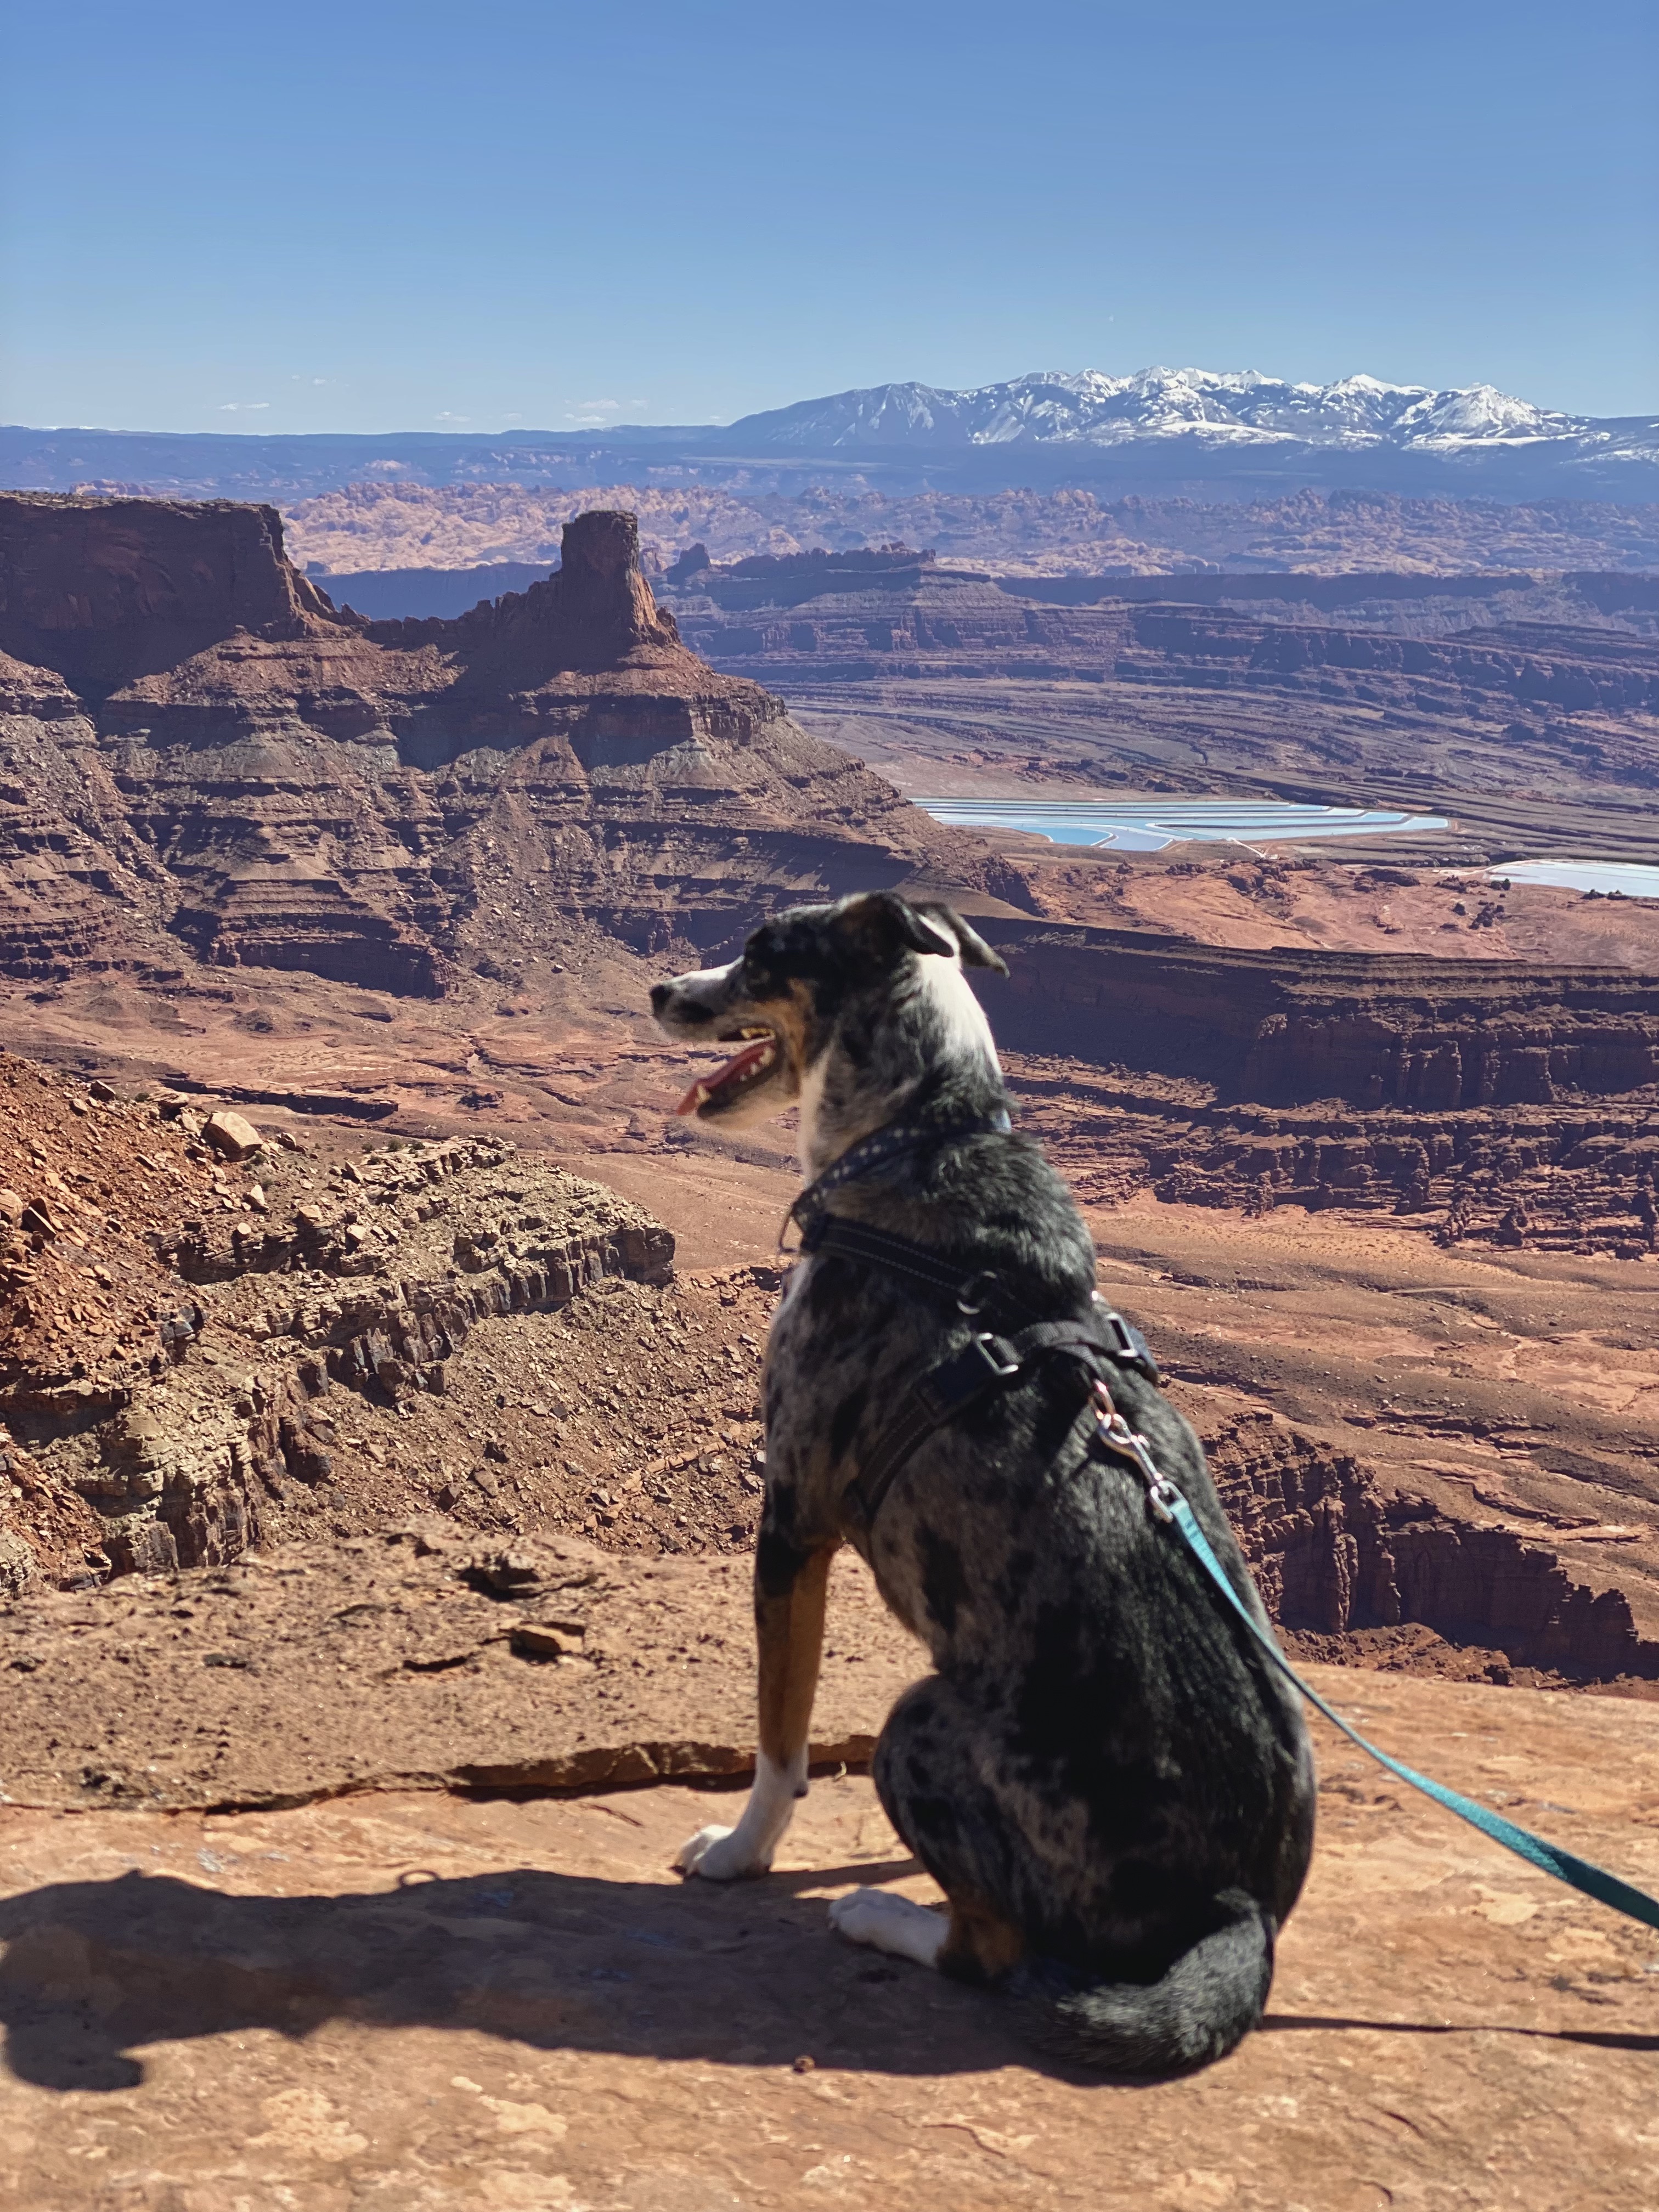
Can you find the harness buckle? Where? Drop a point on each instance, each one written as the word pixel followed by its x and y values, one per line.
pixel 976 1293
pixel 993 1350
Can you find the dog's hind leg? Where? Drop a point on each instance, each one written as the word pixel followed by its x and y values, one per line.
pixel 790 1590
pixel 926 1775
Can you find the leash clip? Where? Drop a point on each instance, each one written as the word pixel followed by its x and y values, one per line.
pixel 1118 1436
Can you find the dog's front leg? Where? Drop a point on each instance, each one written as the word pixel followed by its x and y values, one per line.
pixel 790 1588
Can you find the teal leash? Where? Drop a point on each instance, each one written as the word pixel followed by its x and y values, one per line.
pixel 1169 1505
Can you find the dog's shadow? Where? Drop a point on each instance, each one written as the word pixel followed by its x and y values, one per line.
pixel 748 1974
pixel 744 1975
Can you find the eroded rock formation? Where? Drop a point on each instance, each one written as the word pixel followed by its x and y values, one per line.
pixel 170 1326
pixel 1333 1556
pixel 1506 724
pixel 198 753
pixel 1575 1176
pixel 850 617
pixel 1284 1026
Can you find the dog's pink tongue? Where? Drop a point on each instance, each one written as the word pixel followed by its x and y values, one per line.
pixel 709 1086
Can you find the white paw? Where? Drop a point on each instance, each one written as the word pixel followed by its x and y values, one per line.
pixel 887 1923
pixel 720 1855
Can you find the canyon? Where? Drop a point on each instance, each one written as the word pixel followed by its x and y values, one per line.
pixel 379 1359
pixel 364 528
pixel 202 757
pixel 417 875
pixel 1529 732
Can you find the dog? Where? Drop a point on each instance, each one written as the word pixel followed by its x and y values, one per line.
pixel 1109 1781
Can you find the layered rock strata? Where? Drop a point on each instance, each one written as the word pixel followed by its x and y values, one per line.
pixel 1332 1557
pixel 170 1327
pixel 199 754
pixel 851 618
pixel 385 1272
pixel 1574 1176
pixel 959 677
pixel 1284 1026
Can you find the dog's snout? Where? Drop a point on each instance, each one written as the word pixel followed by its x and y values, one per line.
pixel 674 1004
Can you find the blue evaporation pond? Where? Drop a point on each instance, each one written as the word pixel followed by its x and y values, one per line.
pixel 1142 825
pixel 1624 876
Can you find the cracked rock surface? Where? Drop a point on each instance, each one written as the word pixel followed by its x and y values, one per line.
pixel 421 1658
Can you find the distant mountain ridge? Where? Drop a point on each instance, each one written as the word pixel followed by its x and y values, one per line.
pixel 1188 433
pixel 1241 406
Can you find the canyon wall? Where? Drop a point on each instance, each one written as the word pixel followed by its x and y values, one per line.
pixel 101 591
pixel 1495 1101
pixel 201 757
pixel 1504 727
pixel 1332 1556
pixel 1284 1026
pixel 860 618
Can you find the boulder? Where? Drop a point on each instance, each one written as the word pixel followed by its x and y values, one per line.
pixel 232 1135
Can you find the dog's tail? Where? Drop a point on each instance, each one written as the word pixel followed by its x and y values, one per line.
pixel 1208 2001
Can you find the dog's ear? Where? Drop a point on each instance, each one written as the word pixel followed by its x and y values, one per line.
pixel 890 925
pixel 976 952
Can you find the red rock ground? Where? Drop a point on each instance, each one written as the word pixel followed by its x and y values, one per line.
pixel 422 2001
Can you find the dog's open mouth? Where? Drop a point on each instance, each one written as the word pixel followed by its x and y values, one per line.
pixel 758 1059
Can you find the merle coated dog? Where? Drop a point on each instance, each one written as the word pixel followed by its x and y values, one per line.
pixel 1110 1784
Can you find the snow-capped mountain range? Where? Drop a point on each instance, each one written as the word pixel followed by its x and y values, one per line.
pixel 1195 433
pixel 1236 408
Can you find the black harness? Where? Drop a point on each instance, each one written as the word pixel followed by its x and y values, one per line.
pixel 990 1360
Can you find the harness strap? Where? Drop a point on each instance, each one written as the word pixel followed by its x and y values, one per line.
pixel 841 1239
pixel 971 1291
pixel 1169 1505
pixel 986 1362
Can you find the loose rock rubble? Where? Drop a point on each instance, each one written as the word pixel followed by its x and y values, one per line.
pixel 302 1343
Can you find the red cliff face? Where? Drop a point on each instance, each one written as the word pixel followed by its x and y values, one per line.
pixel 596 613
pixel 1332 1556
pixel 101 591
pixel 212 757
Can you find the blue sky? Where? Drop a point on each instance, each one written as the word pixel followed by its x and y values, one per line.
pixel 363 216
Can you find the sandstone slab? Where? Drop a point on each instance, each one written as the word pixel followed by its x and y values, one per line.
pixel 421 1661
pixel 421 2002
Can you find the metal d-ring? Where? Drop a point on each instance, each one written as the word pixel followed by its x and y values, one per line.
pixel 985 1283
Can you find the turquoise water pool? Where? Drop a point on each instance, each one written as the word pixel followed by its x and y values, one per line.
pixel 1146 825
pixel 1635 881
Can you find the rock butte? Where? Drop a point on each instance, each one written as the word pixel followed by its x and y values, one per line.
pixel 203 755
